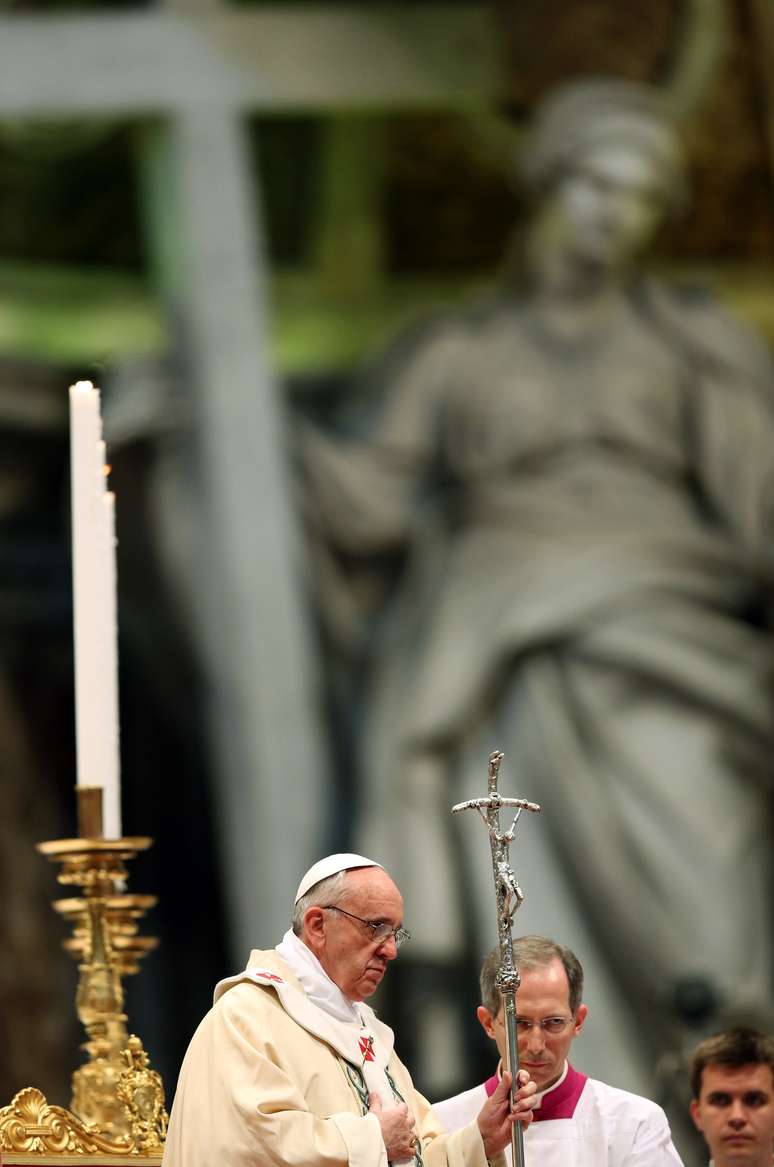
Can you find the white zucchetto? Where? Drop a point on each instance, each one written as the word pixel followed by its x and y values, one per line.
pixel 331 865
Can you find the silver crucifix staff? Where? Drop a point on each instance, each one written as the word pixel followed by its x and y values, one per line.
pixel 509 898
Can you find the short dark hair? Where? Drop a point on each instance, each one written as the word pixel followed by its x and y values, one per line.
pixel 740 1046
pixel 531 952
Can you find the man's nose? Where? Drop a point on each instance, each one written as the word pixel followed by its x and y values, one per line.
pixel 738 1115
pixel 389 947
pixel 535 1038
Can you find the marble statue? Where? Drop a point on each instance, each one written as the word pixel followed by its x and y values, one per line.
pixel 579 473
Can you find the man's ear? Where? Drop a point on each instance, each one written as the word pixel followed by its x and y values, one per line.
pixel 581 1014
pixel 486 1021
pixel 695 1113
pixel 314 928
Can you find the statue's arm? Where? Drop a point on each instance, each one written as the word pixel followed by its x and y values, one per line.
pixel 360 493
pixel 733 430
pixel 729 415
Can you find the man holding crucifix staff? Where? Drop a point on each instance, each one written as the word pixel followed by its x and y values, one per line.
pixel 531 994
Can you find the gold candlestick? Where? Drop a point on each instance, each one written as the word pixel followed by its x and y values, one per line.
pixel 117 1099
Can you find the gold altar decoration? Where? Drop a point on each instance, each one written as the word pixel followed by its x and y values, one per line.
pixel 118 1106
pixel 30 1124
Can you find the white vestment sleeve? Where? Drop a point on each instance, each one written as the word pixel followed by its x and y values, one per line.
pixel 653 1146
pixel 362 1138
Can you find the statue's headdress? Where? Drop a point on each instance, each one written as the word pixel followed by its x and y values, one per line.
pixel 584 114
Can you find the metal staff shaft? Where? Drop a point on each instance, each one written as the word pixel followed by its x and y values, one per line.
pixel 509 897
pixel 512 1065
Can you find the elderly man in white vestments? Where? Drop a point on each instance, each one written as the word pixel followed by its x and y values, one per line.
pixel 290 1067
pixel 577 1121
pixel 732 1083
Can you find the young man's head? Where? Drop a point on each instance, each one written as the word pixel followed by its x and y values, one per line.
pixel 732 1083
pixel 549 1012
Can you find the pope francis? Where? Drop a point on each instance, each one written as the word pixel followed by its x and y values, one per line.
pixel 290 1068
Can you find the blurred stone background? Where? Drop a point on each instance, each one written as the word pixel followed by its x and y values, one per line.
pixel 359 212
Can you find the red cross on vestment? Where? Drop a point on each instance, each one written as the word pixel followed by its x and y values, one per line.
pixel 367 1048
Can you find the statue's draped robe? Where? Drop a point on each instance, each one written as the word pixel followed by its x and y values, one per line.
pixel 586 588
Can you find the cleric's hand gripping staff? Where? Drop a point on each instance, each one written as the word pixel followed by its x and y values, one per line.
pixel 509 899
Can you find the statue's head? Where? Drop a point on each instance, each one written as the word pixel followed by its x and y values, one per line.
pixel 604 163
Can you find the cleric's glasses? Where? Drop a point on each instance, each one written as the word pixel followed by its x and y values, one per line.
pixel 380 930
pixel 551 1025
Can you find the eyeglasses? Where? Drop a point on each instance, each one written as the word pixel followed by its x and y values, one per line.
pixel 551 1025
pixel 380 930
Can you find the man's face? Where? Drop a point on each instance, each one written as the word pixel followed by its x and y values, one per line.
pixel 543 996
pixel 735 1113
pixel 345 947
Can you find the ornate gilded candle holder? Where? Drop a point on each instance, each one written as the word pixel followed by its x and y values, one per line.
pixel 117 1099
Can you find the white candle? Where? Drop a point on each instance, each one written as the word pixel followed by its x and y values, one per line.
pixel 94 606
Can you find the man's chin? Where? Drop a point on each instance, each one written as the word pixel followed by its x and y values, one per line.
pixel 542 1076
pixel 371 981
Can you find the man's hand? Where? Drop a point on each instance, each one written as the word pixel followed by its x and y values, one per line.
pixel 397 1128
pixel 496 1118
